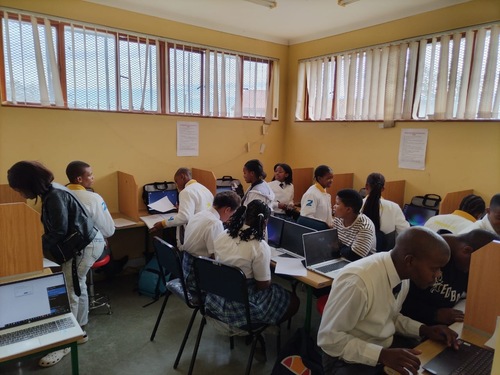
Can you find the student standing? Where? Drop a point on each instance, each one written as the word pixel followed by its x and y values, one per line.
pixel 387 216
pixel 193 198
pixel 253 174
pixel 316 202
pixel 62 216
pixel 362 314
pixel 282 187
pixel 355 230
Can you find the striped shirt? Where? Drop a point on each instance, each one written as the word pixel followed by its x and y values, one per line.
pixel 359 236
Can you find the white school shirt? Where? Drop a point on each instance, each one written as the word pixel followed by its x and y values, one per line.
pixel 201 231
pixel 361 314
pixel 484 223
pixel 317 203
pixel 392 217
pixel 455 222
pixel 261 192
pixel 281 194
pixel 252 257
pixel 96 207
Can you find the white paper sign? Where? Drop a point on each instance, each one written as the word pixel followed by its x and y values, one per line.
pixel 187 138
pixel 412 148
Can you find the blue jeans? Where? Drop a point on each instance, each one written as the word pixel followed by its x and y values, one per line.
pixel 80 304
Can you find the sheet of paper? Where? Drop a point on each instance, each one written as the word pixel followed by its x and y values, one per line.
pixel 290 266
pixel 188 138
pixel 121 222
pixel 150 220
pixel 48 263
pixel 162 205
pixel 412 148
pixel 493 340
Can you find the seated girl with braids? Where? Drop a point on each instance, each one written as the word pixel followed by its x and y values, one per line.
pixel 387 216
pixel 242 245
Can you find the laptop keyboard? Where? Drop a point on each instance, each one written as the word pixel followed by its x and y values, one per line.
pixel 476 360
pixel 331 267
pixel 36 331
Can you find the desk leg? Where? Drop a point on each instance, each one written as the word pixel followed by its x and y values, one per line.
pixel 307 321
pixel 74 358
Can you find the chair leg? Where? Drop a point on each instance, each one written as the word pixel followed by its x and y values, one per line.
pixel 256 338
pixel 231 342
pixel 197 344
pixel 153 334
pixel 186 335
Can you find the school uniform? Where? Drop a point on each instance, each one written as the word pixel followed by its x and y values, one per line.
pixel 283 193
pixel 484 223
pixel 391 217
pixel 455 222
pixel 259 190
pixel 317 204
pixel 359 236
pixel 253 258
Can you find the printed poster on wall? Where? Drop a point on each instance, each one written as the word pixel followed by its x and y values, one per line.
pixel 412 147
pixel 187 138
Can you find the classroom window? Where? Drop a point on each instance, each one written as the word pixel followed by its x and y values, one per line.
pixel 96 68
pixel 449 76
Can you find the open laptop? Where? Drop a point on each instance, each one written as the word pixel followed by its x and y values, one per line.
pixel 35 313
pixel 416 215
pixel 291 244
pixel 322 252
pixel 274 231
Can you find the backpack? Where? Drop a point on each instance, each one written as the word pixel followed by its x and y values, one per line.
pixel 157 190
pixel 151 281
pixel 229 183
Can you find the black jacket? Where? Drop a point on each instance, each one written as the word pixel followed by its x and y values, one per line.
pixel 62 214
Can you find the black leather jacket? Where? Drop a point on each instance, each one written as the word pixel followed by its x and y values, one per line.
pixel 62 213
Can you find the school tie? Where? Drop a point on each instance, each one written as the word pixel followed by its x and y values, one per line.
pixel 396 290
pixel 282 185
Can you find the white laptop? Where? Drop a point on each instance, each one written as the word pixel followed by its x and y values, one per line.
pixel 291 244
pixel 322 252
pixel 35 313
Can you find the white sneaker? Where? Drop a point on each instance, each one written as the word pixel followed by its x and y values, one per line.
pixel 55 357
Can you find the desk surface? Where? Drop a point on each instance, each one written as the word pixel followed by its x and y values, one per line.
pixel 119 215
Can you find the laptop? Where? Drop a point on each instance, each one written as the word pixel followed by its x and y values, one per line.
pixel 322 252
pixel 416 215
pixel 291 244
pixel 468 359
pixel 274 231
pixel 35 313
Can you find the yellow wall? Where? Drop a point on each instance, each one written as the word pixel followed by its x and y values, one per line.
pixel 460 155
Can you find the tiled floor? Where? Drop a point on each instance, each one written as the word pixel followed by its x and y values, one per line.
pixel 119 343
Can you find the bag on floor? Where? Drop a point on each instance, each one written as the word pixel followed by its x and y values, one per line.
pixel 151 280
pixel 300 355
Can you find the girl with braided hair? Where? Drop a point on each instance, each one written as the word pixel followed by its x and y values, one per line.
pixel 242 245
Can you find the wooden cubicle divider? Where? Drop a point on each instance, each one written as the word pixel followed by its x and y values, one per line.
pixel 482 305
pixel 340 181
pixel 20 239
pixel 302 180
pixel 9 195
pixel 129 196
pixel 451 201
pixel 206 178
pixel 395 191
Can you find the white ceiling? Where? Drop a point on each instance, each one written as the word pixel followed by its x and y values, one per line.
pixel 291 22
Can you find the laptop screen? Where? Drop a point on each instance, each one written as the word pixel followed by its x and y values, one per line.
pixel 274 230
pixel 291 239
pixel 27 301
pixel 418 215
pixel 321 246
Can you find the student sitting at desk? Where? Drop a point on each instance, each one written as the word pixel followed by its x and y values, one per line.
pixel 355 230
pixel 471 208
pixel 193 198
pixel 361 316
pixel 434 305
pixel 282 187
pixel 63 218
pixel 242 245
pixel 316 202
pixel 490 221
pixel 202 230
pixel 387 216
pixel 253 173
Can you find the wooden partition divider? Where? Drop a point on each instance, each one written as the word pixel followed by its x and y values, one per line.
pixel 451 201
pixel 395 191
pixel 482 305
pixel 340 181
pixel 302 180
pixel 206 178
pixel 129 196
pixel 9 195
pixel 20 240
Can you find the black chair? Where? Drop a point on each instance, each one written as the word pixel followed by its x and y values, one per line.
pixel 312 223
pixel 229 282
pixel 169 258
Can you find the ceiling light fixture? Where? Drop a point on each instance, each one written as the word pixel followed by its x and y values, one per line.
pixel 267 3
pixel 346 2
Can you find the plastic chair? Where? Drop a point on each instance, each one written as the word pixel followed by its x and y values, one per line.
pixel 229 282
pixel 95 300
pixel 169 258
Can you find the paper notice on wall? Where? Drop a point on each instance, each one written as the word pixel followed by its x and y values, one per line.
pixel 187 138
pixel 412 147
